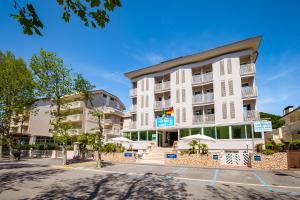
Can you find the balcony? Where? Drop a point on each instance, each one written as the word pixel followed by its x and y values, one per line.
pixel 74 131
pixel 248 69
pixel 162 104
pixel 209 118
pixel 73 118
pixel 107 122
pixel 133 92
pixel 132 125
pixel 133 108
pixel 162 86
pixel 202 78
pixel 249 92
pixel 205 98
pixel 251 115
pixel 69 106
pixel 198 119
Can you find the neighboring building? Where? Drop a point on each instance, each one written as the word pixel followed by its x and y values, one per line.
pixel 212 93
pixel 37 126
pixel 290 131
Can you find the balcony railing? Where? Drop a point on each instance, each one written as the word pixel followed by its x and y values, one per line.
pixel 133 92
pixel 205 98
pixel 162 104
pixel 69 106
pixel 251 115
pixel 247 69
pixel 202 78
pixel 162 86
pixel 209 118
pixel 132 125
pixel 133 108
pixel 198 119
pixel 248 92
pixel 73 118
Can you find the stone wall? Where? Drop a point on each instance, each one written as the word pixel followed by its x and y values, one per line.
pixel 117 157
pixel 194 160
pixel 274 161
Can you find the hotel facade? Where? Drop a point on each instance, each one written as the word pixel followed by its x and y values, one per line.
pixel 212 93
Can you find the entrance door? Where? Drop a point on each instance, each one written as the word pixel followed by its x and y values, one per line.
pixel 159 139
pixel 173 137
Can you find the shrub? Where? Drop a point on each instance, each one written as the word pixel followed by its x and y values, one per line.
pixel 182 152
pixel 269 146
pixel 295 145
pixel 279 147
pixel 268 151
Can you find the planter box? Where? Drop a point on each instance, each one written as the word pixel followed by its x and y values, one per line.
pixel 195 160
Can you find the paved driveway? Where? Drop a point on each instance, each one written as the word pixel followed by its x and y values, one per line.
pixel 42 179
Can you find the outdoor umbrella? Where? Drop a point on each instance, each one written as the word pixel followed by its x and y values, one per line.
pixel 121 139
pixel 198 137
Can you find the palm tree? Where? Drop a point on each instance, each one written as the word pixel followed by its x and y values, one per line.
pixel 193 144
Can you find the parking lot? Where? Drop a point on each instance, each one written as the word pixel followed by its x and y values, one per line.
pixel 44 178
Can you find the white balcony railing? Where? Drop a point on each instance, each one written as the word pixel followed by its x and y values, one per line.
pixel 209 118
pixel 132 125
pixel 208 97
pixel 198 119
pixel 249 92
pixel 247 69
pixel 133 92
pixel 69 106
pixel 162 104
pixel 202 78
pixel 167 103
pixel 251 115
pixel 73 118
pixel 162 86
pixel 197 98
pixel 205 98
pixel 133 108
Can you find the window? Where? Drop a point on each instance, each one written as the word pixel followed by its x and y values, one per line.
pixel 147 101
pixel 197 93
pixel 183 95
pixel 177 115
pixel 183 115
pixel 147 84
pixel 198 112
pixel 249 131
pixel 224 110
pixel 245 84
pixel 182 76
pixel 229 66
pixel 184 132
pixel 210 111
pixel 134 136
pixel 209 131
pixel 230 86
pixel 195 131
pixel 142 119
pixel 126 134
pixel 143 85
pixel 146 119
pixel 142 101
pixel 238 132
pixel 223 132
pixel 104 95
pixel 143 135
pixel 223 89
pixel 232 110
pixel 177 77
pixel 222 70
pixel 151 135
pixel 177 96
pixel 112 99
pixel 246 107
pixel 257 134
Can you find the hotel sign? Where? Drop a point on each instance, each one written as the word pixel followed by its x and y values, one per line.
pixel 163 122
pixel 262 126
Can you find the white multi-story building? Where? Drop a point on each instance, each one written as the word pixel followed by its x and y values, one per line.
pixel 212 93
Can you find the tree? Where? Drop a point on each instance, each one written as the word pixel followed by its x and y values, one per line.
pixel 91 12
pixel 193 144
pixel 275 119
pixel 54 81
pixel 17 92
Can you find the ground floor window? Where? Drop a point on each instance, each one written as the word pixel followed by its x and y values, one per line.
pixel 134 136
pixel 238 132
pixel 44 140
pixel 126 134
pixel 195 131
pixel 249 131
pixel 210 131
pixel 184 133
pixel 223 132
pixel 152 135
pixel 257 135
pixel 143 135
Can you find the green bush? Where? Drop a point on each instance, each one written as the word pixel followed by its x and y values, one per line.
pixel 279 147
pixel 269 146
pixel 109 148
pixel 268 151
pixel 295 145
pixel 182 152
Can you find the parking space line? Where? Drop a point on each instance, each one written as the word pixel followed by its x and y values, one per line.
pixel 263 182
pixel 179 170
pixel 214 179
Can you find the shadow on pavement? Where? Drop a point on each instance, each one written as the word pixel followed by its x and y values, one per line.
pixel 117 186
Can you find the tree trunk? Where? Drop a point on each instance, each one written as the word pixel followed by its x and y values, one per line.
pixel 11 153
pixel 64 155
pixel 99 165
pixel 0 150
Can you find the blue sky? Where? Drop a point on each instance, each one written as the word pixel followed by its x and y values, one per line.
pixel 142 33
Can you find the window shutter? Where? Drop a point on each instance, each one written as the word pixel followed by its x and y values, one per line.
pixel 232 110
pixel 142 119
pixel 147 84
pixel 142 102
pixel 183 115
pixel 177 96
pixel 229 66
pixel 183 95
pixel 143 85
pixel 182 76
pixel 177 115
pixel 177 77
pixel 224 110
pixel 230 86
pixel 222 70
pixel 223 89
pixel 147 101
pixel 146 119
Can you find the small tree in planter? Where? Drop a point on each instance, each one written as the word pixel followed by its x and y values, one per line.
pixel 193 145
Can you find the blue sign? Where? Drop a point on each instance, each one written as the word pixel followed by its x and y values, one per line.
pixel 215 157
pixel 127 154
pixel 257 158
pixel 262 126
pixel 171 156
pixel 162 122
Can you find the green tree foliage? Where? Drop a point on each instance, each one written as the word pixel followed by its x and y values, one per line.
pixel 275 119
pixel 17 93
pixel 92 13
